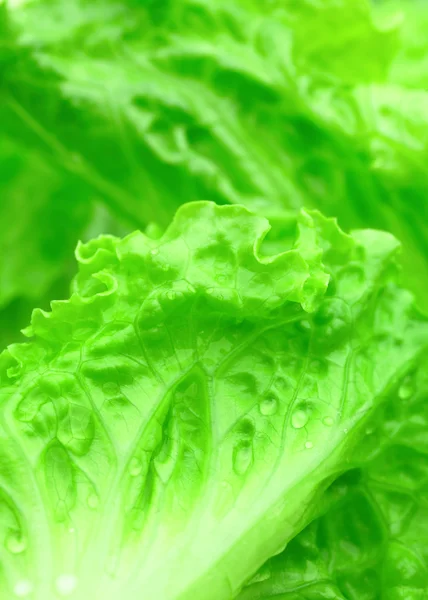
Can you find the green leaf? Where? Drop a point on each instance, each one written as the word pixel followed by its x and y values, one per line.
pixel 122 111
pixel 370 543
pixel 198 106
pixel 203 105
pixel 171 426
pixel 43 214
pixel 44 228
pixel 227 103
pixel 410 66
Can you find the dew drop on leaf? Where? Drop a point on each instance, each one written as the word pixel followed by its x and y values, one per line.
pixel 154 251
pixel 269 406
pixel 309 445
pixel 299 418
pixel 328 421
pixel 15 542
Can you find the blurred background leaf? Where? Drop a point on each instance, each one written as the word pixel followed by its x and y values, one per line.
pixel 114 113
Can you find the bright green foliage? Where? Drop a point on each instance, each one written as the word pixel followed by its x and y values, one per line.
pixel 171 426
pixel 410 66
pixel 371 542
pixel 152 104
pixel 207 392
pixel 60 201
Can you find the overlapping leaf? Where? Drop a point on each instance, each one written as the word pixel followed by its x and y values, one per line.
pixel 184 407
pixel 156 106
pixel 370 543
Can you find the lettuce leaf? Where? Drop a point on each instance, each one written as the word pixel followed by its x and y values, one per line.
pixel 60 201
pixel 410 66
pixel 152 107
pixel 115 113
pixel 38 237
pixel 370 541
pixel 171 426
pixel 198 105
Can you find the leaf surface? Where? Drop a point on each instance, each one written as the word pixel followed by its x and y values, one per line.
pixel 191 401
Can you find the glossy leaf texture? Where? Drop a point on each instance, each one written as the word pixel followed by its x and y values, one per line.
pixel 151 106
pixel 171 426
pixel 370 543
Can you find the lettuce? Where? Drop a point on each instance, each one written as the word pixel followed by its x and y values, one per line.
pixel 219 410
pixel 369 541
pixel 149 107
pixel 410 66
pixel 60 201
pixel 190 401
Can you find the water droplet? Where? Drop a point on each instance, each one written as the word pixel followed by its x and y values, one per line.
pixel 242 457
pixel 269 406
pixel 71 530
pixel 135 467
pixel 66 584
pixel 328 421
pixel 309 445
pixel 154 251
pixel 406 389
pixel 15 542
pixel 345 430
pixel 333 317
pixel 369 430
pixel 299 418
pixel 23 588
pixel 93 501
